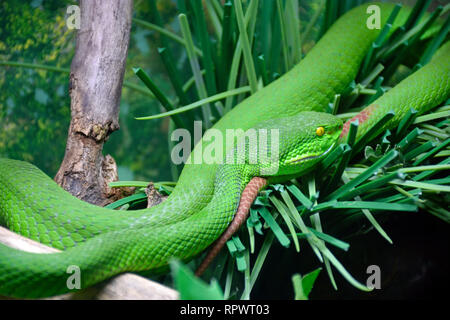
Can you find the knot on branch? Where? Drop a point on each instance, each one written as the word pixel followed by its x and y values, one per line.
pixel 153 196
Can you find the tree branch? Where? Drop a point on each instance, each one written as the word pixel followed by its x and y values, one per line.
pixel 96 78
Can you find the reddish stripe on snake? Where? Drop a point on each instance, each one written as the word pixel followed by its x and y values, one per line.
pixel 361 117
pixel 248 196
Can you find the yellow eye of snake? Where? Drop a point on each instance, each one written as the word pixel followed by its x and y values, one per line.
pixel 320 131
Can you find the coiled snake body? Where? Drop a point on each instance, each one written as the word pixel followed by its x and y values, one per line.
pixel 103 242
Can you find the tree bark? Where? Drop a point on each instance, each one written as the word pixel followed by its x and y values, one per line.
pixel 95 87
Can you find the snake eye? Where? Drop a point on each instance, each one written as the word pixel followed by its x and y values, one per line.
pixel 320 131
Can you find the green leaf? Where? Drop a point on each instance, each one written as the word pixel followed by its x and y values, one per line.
pixel 374 205
pixel 300 196
pixel 197 104
pixel 126 84
pixel 254 222
pixel 159 95
pixel 268 240
pixel 351 138
pixel 422 185
pixel 406 122
pixel 126 200
pixel 432 152
pixel 372 132
pixel 192 288
pixel 303 285
pixel 282 238
pixel 428 173
pixel 308 281
pixel 285 215
pixel 195 67
pixel 298 288
pixel 330 239
pixel 138 184
pixel 391 155
pixel 164 32
pixel 238 251
pixel 248 59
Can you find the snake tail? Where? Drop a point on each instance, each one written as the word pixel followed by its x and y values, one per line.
pixel 248 196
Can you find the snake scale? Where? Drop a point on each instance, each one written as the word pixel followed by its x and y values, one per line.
pixel 104 242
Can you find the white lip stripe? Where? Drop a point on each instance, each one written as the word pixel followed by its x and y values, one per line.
pixel 315 157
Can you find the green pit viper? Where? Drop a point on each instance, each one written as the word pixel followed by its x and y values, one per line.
pixel 104 242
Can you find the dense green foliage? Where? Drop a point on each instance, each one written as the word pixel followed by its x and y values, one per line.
pixel 35 104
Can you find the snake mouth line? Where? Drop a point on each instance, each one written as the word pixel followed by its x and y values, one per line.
pixel 314 157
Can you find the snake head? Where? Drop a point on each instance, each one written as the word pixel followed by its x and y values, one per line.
pixel 304 140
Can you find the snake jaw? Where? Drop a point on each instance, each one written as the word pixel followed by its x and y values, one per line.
pixel 297 160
